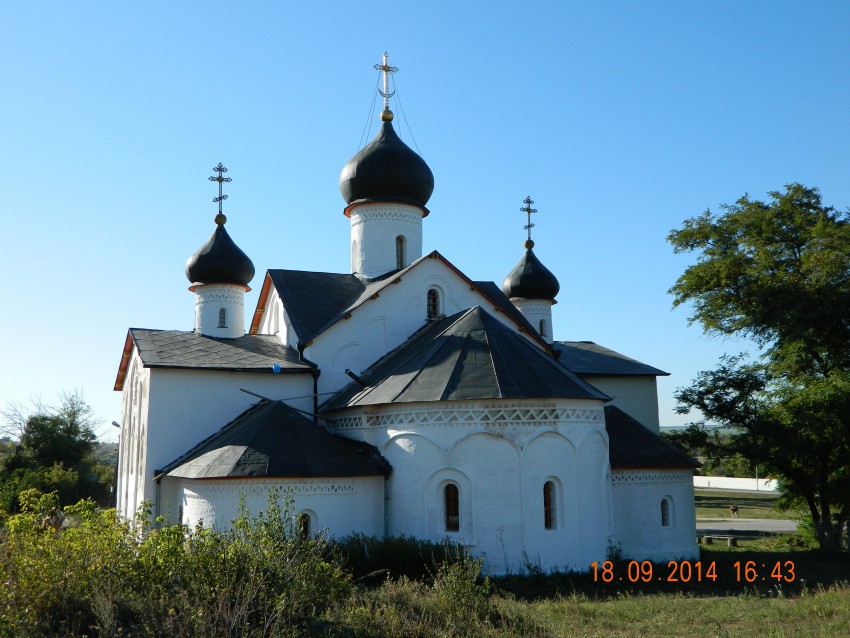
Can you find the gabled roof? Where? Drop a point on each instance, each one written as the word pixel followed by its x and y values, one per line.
pixel 178 349
pixel 271 439
pixel 632 446
pixel 587 358
pixel 315 301
pixel 470 355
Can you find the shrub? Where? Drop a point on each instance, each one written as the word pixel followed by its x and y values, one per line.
pixel 260 577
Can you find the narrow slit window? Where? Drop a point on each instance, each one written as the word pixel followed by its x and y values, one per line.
pixel 433 304
pixel 399 252
pixel 222 318
pixel 452 506
pixel 665 512
pixel 542 328
pixel 304 525
pixel 549 505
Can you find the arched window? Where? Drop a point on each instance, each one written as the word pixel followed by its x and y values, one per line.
pixel 665 512
pixel 549 505
pixel 451 498
pixel 399 252
pixel 222 318
pixel 433 304
pixel 354 256
pixel 303 525
pixel 542 330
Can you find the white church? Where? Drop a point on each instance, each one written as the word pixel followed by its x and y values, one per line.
pixel 400 398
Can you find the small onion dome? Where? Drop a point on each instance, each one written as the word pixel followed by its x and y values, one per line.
pixel 530 279
pixel 386 169
pixel 219 261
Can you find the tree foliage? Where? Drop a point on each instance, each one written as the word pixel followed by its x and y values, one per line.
pixel 778 272
pixel 55 452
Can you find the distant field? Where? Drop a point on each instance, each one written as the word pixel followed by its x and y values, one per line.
pixel 715 503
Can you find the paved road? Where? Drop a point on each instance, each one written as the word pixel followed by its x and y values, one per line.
pixel 721 525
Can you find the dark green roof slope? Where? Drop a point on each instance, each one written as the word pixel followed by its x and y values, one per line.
pixel 178 349
pixel 271 439
pixel 632 446
pixel 491 290
pixel 470 355
pixel 316 300
pixel 588 358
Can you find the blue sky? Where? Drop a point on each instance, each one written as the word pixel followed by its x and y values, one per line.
pixel 620 119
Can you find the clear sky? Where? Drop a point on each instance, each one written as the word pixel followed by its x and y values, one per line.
pixel 620 119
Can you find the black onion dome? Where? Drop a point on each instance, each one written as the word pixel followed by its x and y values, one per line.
pixel 530 279
pixel 220 261
pixel 386 169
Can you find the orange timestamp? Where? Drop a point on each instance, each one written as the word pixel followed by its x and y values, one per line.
pixel 683 571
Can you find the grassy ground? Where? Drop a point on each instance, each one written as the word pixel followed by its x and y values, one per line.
pixel 715 504
pixel 800 569
pixel 813 601
pixel 822 613
pixel 395 611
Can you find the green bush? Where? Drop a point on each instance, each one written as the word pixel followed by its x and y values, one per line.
pixel 106 576
pixel 456 603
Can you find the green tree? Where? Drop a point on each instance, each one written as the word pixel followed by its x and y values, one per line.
pixel 777 273
pixel 56 452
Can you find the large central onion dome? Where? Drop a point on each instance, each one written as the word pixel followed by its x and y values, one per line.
pixel 530 279
pixel 386 170
pixel 219 261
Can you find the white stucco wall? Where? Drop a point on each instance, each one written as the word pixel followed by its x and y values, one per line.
pixel 381 324
pixel 210 300
pixel 638 528
pixel 635 395
pixel 275 321
pixel 183 407
pixel 537 310
pixel 499 454
pixel 374 229
pixel 132 450
pixel 342 506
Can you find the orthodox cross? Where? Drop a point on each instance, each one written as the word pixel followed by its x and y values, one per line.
pixel 528 210
pixel 387 69
pixel 221 179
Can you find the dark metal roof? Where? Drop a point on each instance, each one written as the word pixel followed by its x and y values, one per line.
pixel 588 359
pixel 530 279
pixel 271 439
pixel 631 445
pixel 386 169
pixel 470 355
pixel 316 300
pixel 219 261
pixel 495 293
pixel 176 349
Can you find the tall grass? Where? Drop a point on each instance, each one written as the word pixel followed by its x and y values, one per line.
pixel 108 577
